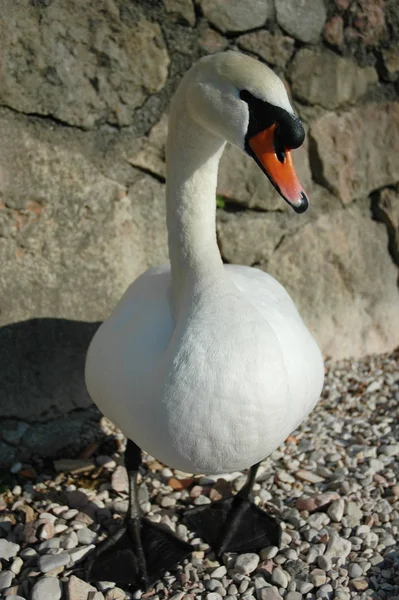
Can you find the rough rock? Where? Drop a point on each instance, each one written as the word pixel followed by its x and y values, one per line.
pixel 75 237
pixel 304 20
pixel 347 315
pixel 322 77
pixel 248 237
pixel 334 31
pixel 386 209
pixel 182 8
pixel 356 152
pixel 236 15
pixel 211 41
pixel 275 49
pixel 390 58
pixel 53 54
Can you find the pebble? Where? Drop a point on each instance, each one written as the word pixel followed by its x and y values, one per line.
pixel 6 578
pixel 355 570
pixel 69 540
pixel 340 523
pixel 213 596
pixel 47 588
pixel 280 577
pixel 48 562
pixel 219 572
pixel 78 589
pixel 336 510
pixel 317 577
pixel 246 563
pixel 8 549
pixel 269 552
pixel 269 593
pixel 86 536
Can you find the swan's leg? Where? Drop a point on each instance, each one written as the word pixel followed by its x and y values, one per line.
pixel 141 551
pixel 236 524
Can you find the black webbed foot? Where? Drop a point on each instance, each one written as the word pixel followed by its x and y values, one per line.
pixel 234 525
pixel 118 559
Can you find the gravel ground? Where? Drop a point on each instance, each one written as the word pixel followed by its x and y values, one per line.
pixel 334 483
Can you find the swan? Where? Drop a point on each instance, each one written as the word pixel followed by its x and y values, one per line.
pixel 207 367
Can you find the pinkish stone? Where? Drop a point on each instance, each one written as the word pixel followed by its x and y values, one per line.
pixel 334 31
pixel 316 502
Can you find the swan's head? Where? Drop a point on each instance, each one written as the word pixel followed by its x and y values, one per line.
pixel 241 100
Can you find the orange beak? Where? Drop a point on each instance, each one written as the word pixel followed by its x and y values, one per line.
pixel 279 169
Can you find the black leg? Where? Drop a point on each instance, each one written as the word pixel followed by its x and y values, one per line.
pixel 141 551
pixel 236 524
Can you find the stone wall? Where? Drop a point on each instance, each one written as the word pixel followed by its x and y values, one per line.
pixel 84 91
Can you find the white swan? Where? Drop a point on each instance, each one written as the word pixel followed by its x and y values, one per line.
pixel 209 367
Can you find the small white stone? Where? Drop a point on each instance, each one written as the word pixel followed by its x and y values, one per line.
pixel 8 549
pixel 86 536
pixel 336 510
pixel 47 588
pixel 48 562
pixel 280 577
pixel 219 572
pixel 17 564
pixel 246 563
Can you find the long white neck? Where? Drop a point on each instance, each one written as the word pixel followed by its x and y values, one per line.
pixel 193 156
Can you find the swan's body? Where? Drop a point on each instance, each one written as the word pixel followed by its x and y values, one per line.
pixel 207 367
pixel 219 389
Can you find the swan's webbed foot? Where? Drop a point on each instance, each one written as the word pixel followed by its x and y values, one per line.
pixel 137 555
pixel 235 524
pixel 141 551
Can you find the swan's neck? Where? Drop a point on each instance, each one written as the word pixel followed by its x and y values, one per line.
pixel 192 164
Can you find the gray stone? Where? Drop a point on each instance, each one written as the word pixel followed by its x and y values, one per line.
pixel 183 8
pixel 386 209
pixel 318 577
pixel 269 593
pixel 370 137
pixel 235 243
pixel 304 586
pixel 6 578
pixel 293 596
pixel 8 549
pixel 324 78
pixel 236 15
pixel 343 245
pixel 279 577
pixel 48 562
pixel 47 588
pixel 275 49
pixel 246 563
pixel 355 570
pixel 86 536
pixel 304 20
pixel 336 510
pixel 111 68
pixel 337 546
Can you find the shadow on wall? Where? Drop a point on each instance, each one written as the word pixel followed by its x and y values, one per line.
pixel 45 409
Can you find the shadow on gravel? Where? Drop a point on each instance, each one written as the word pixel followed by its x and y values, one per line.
pixel 45 410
